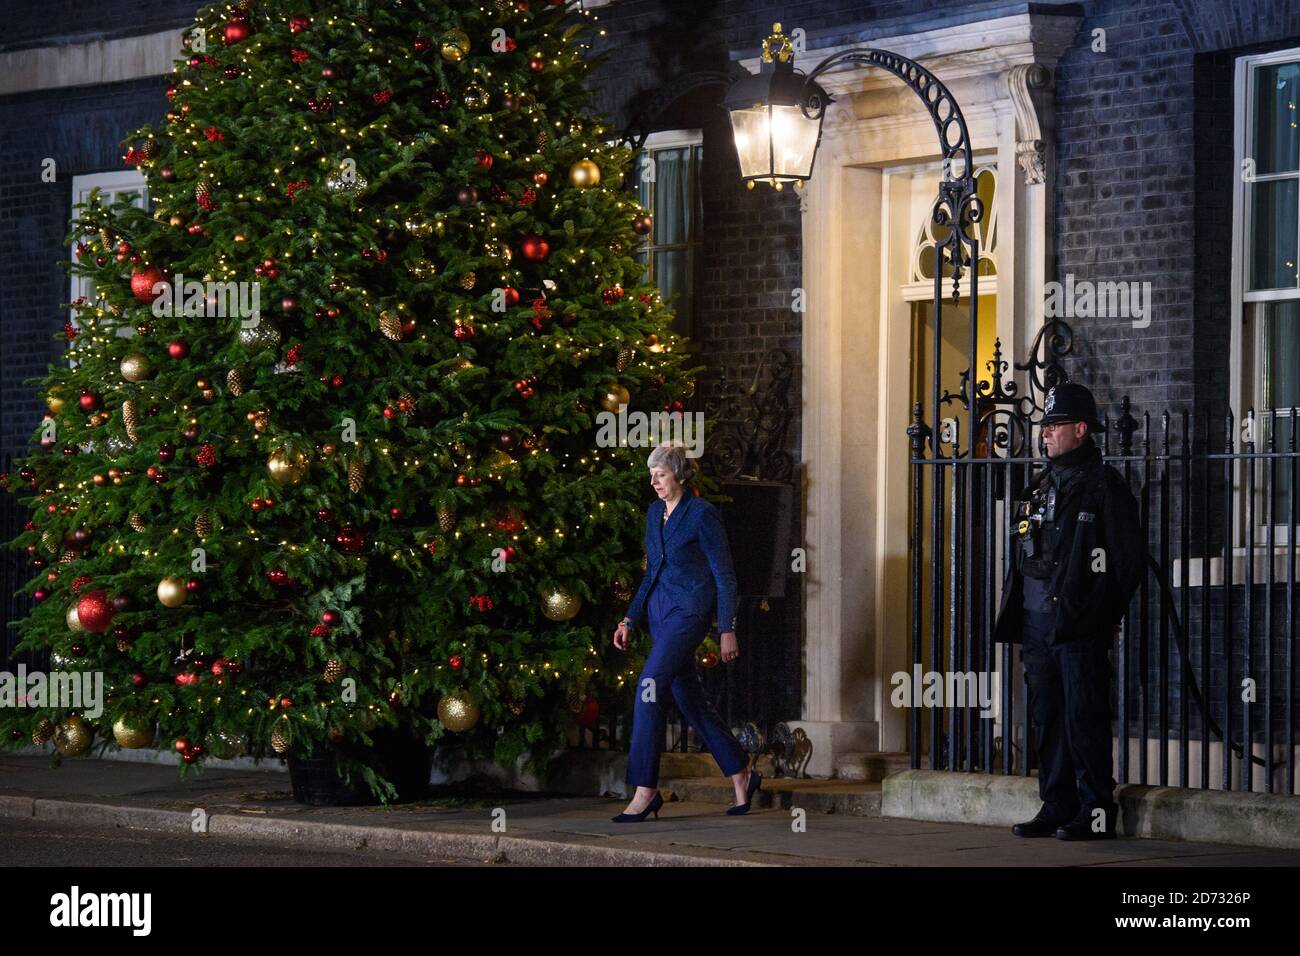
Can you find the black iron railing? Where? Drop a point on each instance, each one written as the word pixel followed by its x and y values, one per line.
pixel 1205 661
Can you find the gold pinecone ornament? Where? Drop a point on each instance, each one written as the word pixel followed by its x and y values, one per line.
pixel 390 325
pixel 202 525
pixel 131 419
pixel 137 522
pixel 235 382
pixel 625 356
pixel 446 516
pixel 356 476
pixel 279 739
pixel 334 671
pixel 43 733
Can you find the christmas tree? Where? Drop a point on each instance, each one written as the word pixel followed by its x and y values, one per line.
pixel 326 458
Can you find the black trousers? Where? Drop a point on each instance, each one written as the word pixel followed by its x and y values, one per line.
pixel 1069 705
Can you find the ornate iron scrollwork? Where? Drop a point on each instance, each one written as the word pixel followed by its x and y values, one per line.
pixel 749 432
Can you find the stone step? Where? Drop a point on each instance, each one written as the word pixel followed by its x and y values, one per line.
pixel 852 798
pixel 870 767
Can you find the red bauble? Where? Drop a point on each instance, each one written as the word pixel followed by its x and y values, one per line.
pixel 178 349
pixel 536 64
pixel 324 514
pixel 278 577
pixel 390 412
pixel 95 612
pixel 589 712
pixel 89 401
pixel 511 295
pixel 330 618
pixel 349 540
pixel 463 333
pixel 535 248
pixel 237 31
pixel 286 702
pixel 182 743
pixel 138 680
pixel 194 585
pixel 456 662
pixel 142 283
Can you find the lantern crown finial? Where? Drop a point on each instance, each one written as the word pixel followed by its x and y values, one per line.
pixel 777 45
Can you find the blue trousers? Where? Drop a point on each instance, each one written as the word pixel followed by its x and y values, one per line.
pixel 670 667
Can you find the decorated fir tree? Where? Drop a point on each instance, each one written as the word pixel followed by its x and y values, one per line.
pixel 326 458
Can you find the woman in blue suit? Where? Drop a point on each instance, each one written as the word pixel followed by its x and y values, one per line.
pixel 688 578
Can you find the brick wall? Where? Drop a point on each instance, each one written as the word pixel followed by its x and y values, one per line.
pixel 81 130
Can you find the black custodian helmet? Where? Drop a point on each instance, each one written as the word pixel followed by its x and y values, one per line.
pixel 1071 402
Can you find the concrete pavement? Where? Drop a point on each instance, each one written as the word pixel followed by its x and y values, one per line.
pixel 533 829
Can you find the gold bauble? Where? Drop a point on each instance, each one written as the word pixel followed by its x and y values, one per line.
pixel 53 403
pixel 422 268
pixel 261 420
pixel 356 476
pixel 420 228
pixel 235 382
pixel 74 623
pixel 584 174
pixel 454 45
pixel 458 711
pixel 279 739
pixel 475 97
pixel 560 604
pixel 135 367
pixel 73 736
pixel 225 744
pixel 287 467
pixel 176 219
pixel 497 460
pixel 130 736
pixel 171 591
pixel 615 396
pixel 500 251
pixel 43 733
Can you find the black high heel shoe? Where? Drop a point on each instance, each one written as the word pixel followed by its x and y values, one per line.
pixel 655 804
pixel 755 781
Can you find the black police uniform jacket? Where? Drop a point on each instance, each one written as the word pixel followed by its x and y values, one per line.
pixel 1094 509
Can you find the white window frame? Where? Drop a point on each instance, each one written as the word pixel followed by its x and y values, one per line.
pixel 110 185
pixel 673 139
pixel 1246 392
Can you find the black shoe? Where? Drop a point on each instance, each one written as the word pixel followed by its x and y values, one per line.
pixel 755 781
pixel 1037 827
pixel 653 807
pixel 1080 828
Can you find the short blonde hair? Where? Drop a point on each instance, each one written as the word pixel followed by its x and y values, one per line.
pixel 672 455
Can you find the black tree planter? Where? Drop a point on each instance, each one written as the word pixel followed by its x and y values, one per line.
pixel 403 760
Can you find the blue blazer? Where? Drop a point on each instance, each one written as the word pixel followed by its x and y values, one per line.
pixel 691 561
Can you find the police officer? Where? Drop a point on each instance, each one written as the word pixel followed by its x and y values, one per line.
pixel 1079 554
